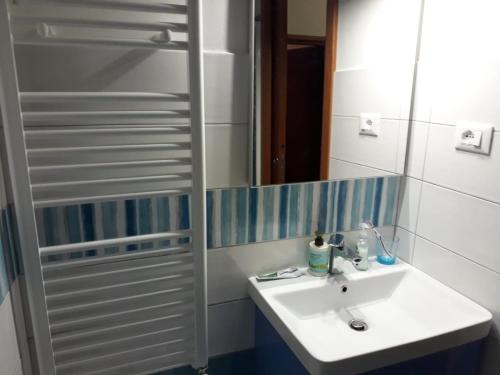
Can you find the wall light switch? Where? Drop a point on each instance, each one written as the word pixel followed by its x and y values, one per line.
pixel 474 137
pixel 370 124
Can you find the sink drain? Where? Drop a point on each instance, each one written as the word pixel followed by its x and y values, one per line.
pixel 358 325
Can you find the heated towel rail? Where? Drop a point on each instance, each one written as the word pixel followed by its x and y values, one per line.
pixel 120 311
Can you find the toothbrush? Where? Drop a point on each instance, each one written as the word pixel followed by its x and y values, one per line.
pixel 287 273
pixel 369 225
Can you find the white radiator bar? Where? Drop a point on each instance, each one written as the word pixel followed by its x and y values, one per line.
pixel 42 97
pixel 101 198
pixel 145 6
pixel 146 163
pixel 84 262
pixel 68 21
pixel 196 80
pixel 99 117
pixel 81 246
pixel 18 169
pixel 127 305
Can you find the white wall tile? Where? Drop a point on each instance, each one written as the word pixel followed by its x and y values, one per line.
pixel 222 141
pixel 342 170
pixel 422 101
pixel 66 69
pixel 466 277
pixel 226 25
pixel 404 126
pixel 378 152
pixel 227 88
pixel 409 206
pixel 375 90
pixel 417 149
pixel 461 223
pixel 471 173
pixel 99 69
pixel 406 244
pixel 445 36
pixel 10 361
pixel 231 327
pixel 466 91
pixel 376 32
pixel 229 268
pixel 461 230
pixel 20 325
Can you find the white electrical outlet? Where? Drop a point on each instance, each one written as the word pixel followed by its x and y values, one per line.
pixel 474 137
pixel 369 124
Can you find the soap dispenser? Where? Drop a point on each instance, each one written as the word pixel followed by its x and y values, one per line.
pixel 318 256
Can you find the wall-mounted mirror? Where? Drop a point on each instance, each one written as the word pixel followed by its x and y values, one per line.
pixel 333 86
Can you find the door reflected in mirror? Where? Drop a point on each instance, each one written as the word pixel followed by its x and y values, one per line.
pixel 333 84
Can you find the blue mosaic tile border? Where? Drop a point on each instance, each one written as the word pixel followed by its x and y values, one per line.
pixel 112 219
pixel 250 215
pixel 9 264
pixel 235 216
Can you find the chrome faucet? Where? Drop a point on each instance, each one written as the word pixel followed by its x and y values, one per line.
pixel 338 249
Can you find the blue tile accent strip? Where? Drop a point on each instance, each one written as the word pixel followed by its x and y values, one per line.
pixel 295 210
pixel 267 235
pixel 4 280
pixel 241 215
pixel 9 260
pixel 234 216
pixel 226 217
pixel 252 207
pixel 210 221
pixel 284 204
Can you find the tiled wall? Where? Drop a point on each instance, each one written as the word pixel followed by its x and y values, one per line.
pixel 227 97
pixel 374 74
pixel 451 209
pixel 111 219
pixel 243 224
pixel 241 216
pixel 234 216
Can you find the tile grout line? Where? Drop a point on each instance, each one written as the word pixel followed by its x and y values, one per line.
pixel 455 190
pixel 451 251
pixel 230 301
pixel 420 191
pixel 393 174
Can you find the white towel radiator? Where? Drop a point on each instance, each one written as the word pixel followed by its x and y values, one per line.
pixel 125 312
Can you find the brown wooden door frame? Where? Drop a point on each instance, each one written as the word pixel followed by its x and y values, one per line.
pixel 266 56
pixel 332 13
pixel 306 40
pixel 274 89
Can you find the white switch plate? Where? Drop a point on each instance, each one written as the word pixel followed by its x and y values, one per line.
pixel 474 137
pixel 369 124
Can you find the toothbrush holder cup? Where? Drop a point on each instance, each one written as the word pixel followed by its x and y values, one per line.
pixel 392 245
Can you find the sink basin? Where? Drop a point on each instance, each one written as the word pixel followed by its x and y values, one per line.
pixel 399 313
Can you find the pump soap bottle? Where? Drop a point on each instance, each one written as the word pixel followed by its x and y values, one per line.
pixel 318 256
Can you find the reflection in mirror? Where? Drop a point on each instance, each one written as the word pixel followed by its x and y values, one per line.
pixel 333 84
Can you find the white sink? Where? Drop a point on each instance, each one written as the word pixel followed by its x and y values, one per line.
pixel 408 314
